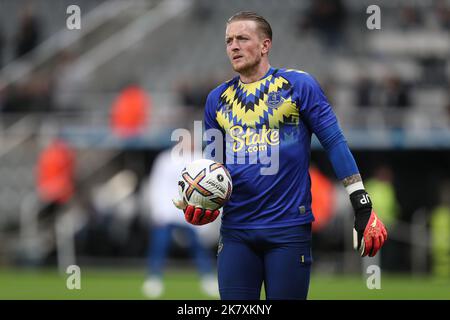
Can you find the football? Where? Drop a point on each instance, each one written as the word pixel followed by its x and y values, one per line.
pixel 205 183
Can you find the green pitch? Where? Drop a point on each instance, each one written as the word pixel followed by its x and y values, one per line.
pixel 126 284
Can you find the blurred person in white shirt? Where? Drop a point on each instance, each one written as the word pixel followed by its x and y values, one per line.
pixel 167 223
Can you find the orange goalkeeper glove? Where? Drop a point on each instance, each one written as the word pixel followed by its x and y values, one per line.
pixel 199 216
pixel 195 215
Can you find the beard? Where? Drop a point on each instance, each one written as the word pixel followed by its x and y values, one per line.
pixel 247 67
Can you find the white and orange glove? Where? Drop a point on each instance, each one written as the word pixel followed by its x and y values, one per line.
pixel 195 215
pixel 369 233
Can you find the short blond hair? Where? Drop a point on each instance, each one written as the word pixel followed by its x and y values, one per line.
pixel 261 22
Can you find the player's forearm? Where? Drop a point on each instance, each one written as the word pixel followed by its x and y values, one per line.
pixel 351 180
pixel 342 159
pixel 344 165
pixel 353 183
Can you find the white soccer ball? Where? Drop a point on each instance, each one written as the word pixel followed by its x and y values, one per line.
pixel 205 183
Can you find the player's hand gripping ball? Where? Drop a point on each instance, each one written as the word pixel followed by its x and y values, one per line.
pixel 204 187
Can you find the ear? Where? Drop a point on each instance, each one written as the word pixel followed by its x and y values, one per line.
pixel 266 45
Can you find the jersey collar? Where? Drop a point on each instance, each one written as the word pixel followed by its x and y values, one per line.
pixel 268 73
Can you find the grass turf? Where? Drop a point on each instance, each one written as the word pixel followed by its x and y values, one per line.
pixel 126 284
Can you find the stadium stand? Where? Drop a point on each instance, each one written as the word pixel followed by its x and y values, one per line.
pixel 390 88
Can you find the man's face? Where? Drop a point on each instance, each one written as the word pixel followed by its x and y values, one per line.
pixel 245 45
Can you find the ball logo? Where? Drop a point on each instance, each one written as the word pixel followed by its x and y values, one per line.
pixel 194 184
pixel 215 166
pixel 220 177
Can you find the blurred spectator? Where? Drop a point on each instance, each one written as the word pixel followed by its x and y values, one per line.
pixel 194 96
pixel 394 92
pixel 448 113
pixel 329 87
pixel 2 96
pixel 29 32
pixel 39 89
pixel 410 18
pixel 130 111
pixel 440 234
pixel 433 71
pixel 322 190
pixel 35 94
pixel 166 219
pixel 113 207
pixel 382 192
pixel 202 10
pixel 381 189
pixel 55 176
pixel 55 172
pixel 447 106
pixel 2 46
pixel 67 82
pixel 12 99
pixel 442 13
pixel 365 90
pixel 328 18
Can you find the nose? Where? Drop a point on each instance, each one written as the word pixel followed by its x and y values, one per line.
pixel 234 45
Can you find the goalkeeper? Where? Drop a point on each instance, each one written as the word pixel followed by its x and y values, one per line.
pixel 266 224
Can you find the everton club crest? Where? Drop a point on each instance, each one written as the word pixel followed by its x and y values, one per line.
pixel 274 99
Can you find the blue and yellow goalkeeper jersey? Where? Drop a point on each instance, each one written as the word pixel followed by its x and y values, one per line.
pixel 266 128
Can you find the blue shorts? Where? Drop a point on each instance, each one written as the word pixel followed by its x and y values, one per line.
pixel 278 257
